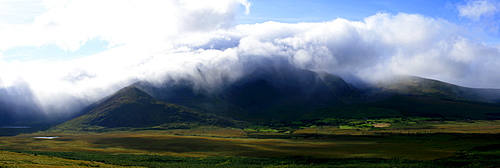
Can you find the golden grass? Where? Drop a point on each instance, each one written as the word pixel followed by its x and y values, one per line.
pixel 21 160
pixel 381 125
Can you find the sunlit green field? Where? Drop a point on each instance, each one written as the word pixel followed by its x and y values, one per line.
pixel 420 144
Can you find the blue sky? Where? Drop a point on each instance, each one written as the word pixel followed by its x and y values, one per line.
pixel 293 11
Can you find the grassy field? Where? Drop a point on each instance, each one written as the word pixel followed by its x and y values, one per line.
pixel 486 156
pixel 19 160
pixel 418 142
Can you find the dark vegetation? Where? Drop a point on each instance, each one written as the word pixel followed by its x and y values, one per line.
pixel 416 106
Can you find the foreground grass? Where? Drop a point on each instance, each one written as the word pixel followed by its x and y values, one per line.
pixel 20 160
pixel 485 156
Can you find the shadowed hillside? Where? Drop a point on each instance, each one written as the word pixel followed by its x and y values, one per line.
pixel 282 93
pixel 415 96
pixel 285 93
pixel 5 116
pixel 288 93
pixel 17 106
pixel 131 107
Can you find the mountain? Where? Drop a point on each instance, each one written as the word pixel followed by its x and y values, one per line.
pixel 425 106
pixel 5 116
pixel 17 106
pixel 415 96
pixel 282 93
pixel 411 85
pixel 288 94
pixel 130 107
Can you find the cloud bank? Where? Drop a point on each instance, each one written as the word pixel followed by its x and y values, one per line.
pixel 474 10
pixel 161 41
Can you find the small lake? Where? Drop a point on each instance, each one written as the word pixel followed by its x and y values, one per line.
pixel 46 137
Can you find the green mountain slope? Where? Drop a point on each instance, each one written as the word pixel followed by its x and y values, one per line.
pixel 415 96
pixel 184 93
pixel 437 107
pixel 411 106
pixel 133 108
pixel 411 85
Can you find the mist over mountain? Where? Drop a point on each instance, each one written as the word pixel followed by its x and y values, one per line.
pixel 17 105
pixel 288 93
pixel 198 54
pixel 266 89
pixel 281 88
pixel 271 90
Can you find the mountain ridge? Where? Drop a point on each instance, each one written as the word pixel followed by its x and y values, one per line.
pixel 268 94
pixel 419 86
pixel 261 93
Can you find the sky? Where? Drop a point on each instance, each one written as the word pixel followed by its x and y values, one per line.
pixel 68 53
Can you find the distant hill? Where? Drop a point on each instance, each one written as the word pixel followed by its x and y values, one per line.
pixel 411 85
pixel 132 108
pixel 425 106
pixel 415 96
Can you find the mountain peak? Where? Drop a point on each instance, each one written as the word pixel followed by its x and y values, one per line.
pixel 130 93
pixel 132 107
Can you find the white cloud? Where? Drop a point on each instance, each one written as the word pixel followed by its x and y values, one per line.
pixel 161 40
pixel 381 45
pixel 70 24
pixel 137 27
pixel 475 9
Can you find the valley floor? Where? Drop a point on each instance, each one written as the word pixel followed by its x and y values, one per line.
pixel 441 144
